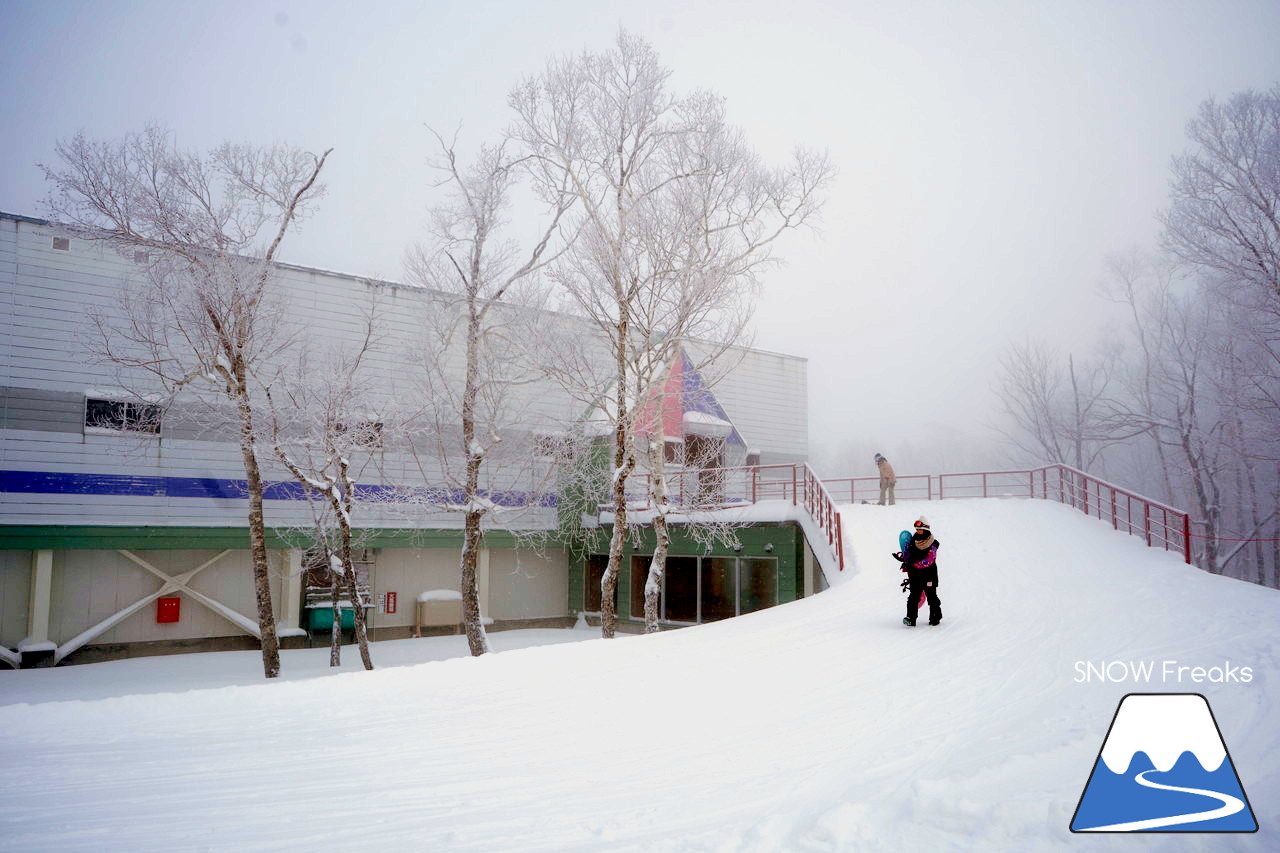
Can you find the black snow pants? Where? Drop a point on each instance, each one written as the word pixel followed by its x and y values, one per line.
pixel 931 595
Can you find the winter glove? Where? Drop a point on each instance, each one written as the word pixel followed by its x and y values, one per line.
pixel 897 555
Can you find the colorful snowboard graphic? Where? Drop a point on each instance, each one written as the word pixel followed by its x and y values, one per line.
pixel 904 539
pixel 1163 767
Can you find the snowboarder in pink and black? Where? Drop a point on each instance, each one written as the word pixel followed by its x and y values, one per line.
pixel 920 562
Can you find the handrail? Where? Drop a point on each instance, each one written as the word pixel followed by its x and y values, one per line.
pixel 723 488
pixel 1160 523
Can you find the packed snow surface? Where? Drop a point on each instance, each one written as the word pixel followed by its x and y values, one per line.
pixel 818 725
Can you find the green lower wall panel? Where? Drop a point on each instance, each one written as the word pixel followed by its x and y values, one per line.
pixel 785 538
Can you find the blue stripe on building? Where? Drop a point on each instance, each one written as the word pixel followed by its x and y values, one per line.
pixel 129 485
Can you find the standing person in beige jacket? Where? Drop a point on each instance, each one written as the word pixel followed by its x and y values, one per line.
pixel 887 479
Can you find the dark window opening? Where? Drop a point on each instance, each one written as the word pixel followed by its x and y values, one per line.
pixel 673 452
pixel 557 447
pixel 639 577
pixel 718 593
pixel 361 433
pixel 62 244
pixel 594 571
pixel 122 416
pixel 680 595
pixel 757 584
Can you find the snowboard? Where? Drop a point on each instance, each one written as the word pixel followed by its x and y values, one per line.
pixel 904 539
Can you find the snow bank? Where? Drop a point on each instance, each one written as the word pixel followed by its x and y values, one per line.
pixel 818 725
pixel 440 595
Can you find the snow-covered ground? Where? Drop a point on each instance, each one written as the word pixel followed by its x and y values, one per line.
pixel 822 724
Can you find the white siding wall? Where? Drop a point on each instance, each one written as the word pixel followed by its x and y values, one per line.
pixel 89 586
pixel 15 594
pixel 47 293
pixel 407 572
pixel 526 585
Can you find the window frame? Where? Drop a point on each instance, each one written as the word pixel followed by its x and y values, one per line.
pixel 122 430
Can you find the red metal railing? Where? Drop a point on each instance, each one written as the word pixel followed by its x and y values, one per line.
pixel 721 488
pixel 1159 525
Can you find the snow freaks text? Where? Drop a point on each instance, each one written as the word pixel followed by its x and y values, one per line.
pixel 1167 672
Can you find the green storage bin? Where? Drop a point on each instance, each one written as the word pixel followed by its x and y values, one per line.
pixel 321 618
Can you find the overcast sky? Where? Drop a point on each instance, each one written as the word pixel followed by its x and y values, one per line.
pixel 991 153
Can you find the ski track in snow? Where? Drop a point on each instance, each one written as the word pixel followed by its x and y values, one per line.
pixel 1230 805
pixel 818 725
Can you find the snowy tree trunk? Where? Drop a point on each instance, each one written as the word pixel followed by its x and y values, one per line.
pixel 623 462
pixel 1209 509
pixel 661 535
pixel 258 539
pixel 348 567
pixel 472 618
pixel 335 630
pixel 353 591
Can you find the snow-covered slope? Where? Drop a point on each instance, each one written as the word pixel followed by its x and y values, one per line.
pixel 822 724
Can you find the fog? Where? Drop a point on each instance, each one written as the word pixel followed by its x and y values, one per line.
pixel 991 154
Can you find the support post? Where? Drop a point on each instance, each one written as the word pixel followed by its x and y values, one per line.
pixel 482 580
pixel 1186 537
pixel 36 649
pixel 291 597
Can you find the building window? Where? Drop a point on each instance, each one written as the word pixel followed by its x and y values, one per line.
pixel 556 447
pixel 700 589
pixel 594 572
pixel 757 584
pixel 718 595
pixel 62 244
pixel 673 452
pixel 639 577
pixel 680 590
pixel 361 433
pixel 121 416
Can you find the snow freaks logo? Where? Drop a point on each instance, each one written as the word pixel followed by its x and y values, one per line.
pixel 1163 767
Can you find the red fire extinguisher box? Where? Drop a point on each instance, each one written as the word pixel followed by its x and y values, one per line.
pixel 168 609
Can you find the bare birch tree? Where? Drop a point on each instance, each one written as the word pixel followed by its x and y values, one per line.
pixel 703 241
pixel 482 301
pixel 324 430
pixel 605 126
pixel 208 228
pixel 1058 411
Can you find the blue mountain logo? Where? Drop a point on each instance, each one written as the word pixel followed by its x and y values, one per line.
pixel 1164 767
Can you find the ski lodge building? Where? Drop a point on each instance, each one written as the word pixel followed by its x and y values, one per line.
pixel 118 542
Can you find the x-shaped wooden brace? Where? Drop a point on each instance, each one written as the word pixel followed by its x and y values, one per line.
pixel 172 583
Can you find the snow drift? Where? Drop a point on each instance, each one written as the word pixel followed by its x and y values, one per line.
pixel 817 725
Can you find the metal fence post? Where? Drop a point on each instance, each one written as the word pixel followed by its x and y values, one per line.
pixel 1186 537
